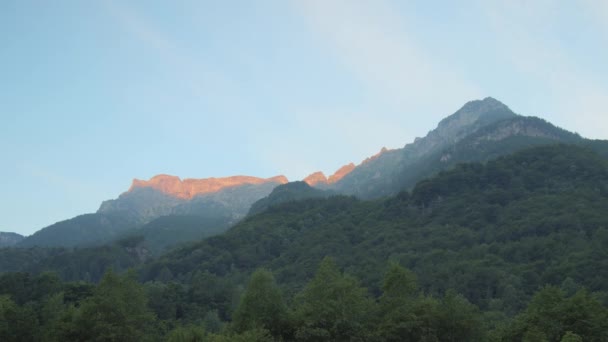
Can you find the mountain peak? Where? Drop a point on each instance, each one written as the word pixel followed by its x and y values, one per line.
pixel 319 178
pixel 343 171
pixel 471 116
pixel 485 105
pixel 315 178
pixel 478 109
pixel 191 187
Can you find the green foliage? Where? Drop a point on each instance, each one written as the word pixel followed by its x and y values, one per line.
pixel 332 307
pixel 262 306
pixel 256 335
pixel 459 320
pixel 553 315
pixel 173 230
pixel 478 241
pixel 117 311
pixel 493 232
pixel 290 192
pixel 571 337
pixel 187 334
pixel 88 264
pixel 84 230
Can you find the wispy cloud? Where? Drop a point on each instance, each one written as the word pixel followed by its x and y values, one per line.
pixel 368 38
pixel 527 32
pixel 190 71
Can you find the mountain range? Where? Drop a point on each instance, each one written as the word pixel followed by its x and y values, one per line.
pixel 210 205
pixel 479 131
pixel 492 227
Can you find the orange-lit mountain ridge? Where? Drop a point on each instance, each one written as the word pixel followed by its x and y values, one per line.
pixel 319 178
pixel 191 187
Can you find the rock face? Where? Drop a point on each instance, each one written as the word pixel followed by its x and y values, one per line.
pixel 480 130
pixel 9 239
pixel 318 179
pixel 343 171
pixel 169 195
pixel 216 203
pixel 315 179
pixel 189 187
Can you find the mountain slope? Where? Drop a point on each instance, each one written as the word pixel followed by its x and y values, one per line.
pixel 171 230
pixel 8 239
pixel 290 192
pixel 76 264
pixel 83 230
pixel 494 231
pixel 165 195
pixel 217 202
pixel 480 130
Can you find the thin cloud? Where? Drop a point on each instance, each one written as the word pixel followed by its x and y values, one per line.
pixel 526 33
pixel 190 71
pixel 369 39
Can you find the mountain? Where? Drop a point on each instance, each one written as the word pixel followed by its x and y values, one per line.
pixel 165 195
pixel 290 192
pixel 480 130
pixel 495 232
pixel 318 179
pixel 76 264
pixel 8 239
pixel 83 230
pixel 169 231
pixel 217 203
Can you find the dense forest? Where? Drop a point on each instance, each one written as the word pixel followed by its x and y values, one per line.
pixel 333 306
pixel 513 249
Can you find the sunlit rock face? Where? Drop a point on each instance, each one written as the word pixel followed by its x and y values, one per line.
pixel 190 187
pixel 343 171
pixel 318 179
pixel 169 195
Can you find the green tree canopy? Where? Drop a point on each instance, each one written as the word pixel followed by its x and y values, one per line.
pixel 261 306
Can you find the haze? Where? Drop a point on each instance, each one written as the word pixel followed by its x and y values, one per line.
pixel 96 93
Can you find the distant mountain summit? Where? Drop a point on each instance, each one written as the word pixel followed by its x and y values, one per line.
pixel 319 179
pixel 169 195
pixel 8 239
pixel 480 130
pixel 189 187
pixel 212 204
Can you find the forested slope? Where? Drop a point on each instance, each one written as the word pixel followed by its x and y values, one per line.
pixel 495 232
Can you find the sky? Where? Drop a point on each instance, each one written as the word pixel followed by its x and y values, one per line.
pixel 96 93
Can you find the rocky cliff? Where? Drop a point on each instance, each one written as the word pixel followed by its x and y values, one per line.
pixel 480 130
pixel 169 195
pixel 190 187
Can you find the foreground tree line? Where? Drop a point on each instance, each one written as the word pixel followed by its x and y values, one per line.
pixel 333 306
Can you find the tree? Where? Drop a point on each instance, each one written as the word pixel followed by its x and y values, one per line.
pixel 16 323
pixel 571 337
pixel 187 334
pixel 261 306
pixel 399 290
pixel 553 315
pixel 117 311
pixel 458 319
pixel 332 307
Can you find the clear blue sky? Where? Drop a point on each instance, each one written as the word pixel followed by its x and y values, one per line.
pixel 95 93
